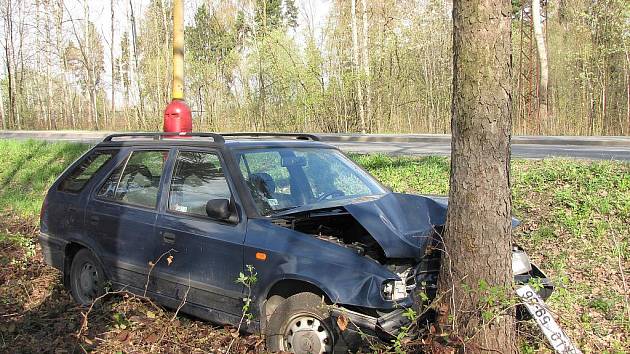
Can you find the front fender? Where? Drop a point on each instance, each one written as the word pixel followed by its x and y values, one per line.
pixel 345 277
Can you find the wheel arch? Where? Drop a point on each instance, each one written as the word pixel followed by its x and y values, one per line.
pixel 70 250
pixel 283 289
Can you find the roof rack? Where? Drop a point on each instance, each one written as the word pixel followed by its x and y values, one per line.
pixel 297 136
pixel 218 138
pixel 159 136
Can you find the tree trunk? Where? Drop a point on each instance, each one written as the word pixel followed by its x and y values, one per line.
pixel 627 70
pixel 542 60
pixel 355 64
pixel 10 61
pixel 2 115
pixel 476 262
pixel 113 64
pixel 134 37
pixel 49 86
pixel 366 64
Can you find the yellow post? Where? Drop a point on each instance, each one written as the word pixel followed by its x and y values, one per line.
pixel 178 49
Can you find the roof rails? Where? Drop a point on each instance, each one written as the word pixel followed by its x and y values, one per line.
pixel 218 138
pixel 159 136
pixel 297 136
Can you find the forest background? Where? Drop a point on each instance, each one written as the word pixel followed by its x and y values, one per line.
pixel 378 66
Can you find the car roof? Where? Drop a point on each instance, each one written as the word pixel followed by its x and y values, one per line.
pixel 256 144
pixel 229 141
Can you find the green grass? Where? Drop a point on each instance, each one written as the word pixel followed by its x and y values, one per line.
pixel 27 168
pixel 575 218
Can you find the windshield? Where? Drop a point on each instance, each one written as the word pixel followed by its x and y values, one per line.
pixel 280 179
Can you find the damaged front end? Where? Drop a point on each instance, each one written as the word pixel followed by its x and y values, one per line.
pixel 400 234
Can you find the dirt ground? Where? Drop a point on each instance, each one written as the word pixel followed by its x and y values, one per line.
pixel 38 314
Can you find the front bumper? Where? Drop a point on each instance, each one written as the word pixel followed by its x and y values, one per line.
pixel 388 325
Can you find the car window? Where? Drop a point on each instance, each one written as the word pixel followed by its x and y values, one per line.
pixel 327 173
pixel 197 178
pixel 81 175
pixel 137 181
pixel 268 180
pixel 285 178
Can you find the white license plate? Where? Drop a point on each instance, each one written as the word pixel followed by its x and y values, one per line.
pixel 537 307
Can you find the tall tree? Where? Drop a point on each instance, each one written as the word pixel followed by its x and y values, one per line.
pixel 476 276
pixel 86 60
pixel 365 52
pixel 355 64
pixel 111 58
pixel 542 61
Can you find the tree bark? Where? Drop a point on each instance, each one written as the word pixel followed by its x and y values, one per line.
pixel 476 258
pixel 542 60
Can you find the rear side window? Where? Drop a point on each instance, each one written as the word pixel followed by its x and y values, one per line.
pixel 137 181
pixel 81 175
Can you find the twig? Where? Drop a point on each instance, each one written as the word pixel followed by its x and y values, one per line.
pixel 182 303
pixel 183 300
pixel 84 323
pixel 151 266
pixel 85 315
pixel 11 314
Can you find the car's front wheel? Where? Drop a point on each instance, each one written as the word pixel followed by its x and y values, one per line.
pixel 300 324
pixel 87 278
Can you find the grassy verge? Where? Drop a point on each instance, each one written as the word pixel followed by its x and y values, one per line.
pixel 575 226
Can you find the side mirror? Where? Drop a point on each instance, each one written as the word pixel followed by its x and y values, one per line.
pixel 219 209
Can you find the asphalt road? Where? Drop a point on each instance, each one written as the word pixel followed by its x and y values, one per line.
pixel 534 151
pixel 536 147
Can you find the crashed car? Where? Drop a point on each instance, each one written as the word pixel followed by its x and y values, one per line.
pixel 181 218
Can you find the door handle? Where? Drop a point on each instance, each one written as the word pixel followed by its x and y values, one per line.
pixel 94 219
pixel 168 237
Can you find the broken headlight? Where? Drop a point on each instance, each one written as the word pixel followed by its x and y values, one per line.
pixel 394 290
pixel 520 262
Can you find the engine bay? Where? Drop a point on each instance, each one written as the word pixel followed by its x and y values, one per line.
pixel 336 226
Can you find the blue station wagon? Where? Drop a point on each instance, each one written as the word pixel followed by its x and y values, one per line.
pixel 323 236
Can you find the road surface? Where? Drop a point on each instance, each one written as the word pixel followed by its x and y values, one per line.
pixel 591 148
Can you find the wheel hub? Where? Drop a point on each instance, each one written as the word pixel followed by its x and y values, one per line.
pixel 88 280
pixel 306 334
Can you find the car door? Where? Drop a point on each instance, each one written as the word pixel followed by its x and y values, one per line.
pixel 207 254
pixel 121 215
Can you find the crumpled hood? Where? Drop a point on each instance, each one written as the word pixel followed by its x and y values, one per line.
pixel 401 223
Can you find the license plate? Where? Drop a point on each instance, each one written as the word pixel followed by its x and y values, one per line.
pixel 550 328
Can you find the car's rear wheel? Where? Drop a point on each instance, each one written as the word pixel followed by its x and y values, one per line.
pixel 87 278
pixel 299 325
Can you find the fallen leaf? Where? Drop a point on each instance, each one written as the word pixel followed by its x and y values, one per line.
pixel 169 259
pixel 150 314
pixel 122 336
pixel 342 322
pixel 151 338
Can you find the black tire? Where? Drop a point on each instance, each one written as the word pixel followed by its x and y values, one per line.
pixel 304 311
pixel 87 278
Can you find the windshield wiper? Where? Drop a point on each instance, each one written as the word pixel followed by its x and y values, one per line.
pixel 282 210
